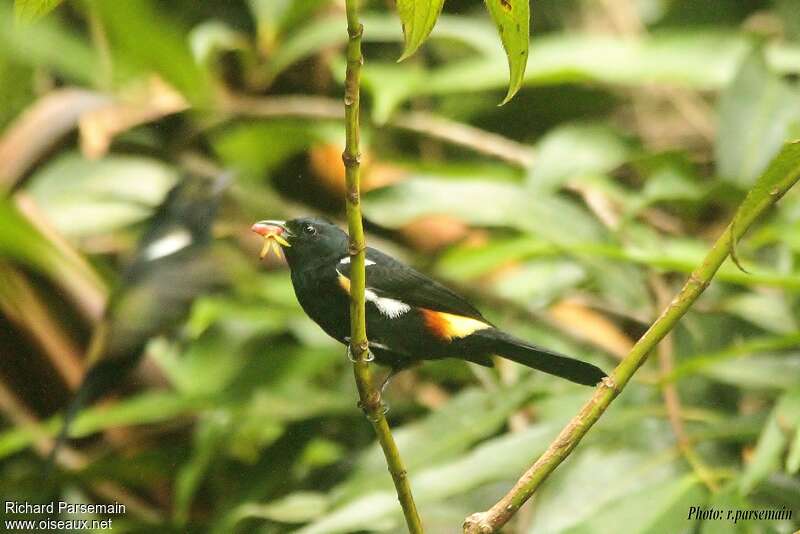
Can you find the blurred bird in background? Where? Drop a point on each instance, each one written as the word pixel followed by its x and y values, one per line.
pixel 171 266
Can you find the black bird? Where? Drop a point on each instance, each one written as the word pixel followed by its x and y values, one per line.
pixel 409 316
pixel 172 265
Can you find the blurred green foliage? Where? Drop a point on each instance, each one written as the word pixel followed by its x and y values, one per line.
pixel 639 128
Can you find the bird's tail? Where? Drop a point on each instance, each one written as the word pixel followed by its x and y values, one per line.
pixel 539 358
pixel 100 377
pixel 74 407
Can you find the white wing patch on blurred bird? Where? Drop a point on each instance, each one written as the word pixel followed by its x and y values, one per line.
pixel 170 243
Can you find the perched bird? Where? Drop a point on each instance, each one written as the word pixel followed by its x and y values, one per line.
pixel 172 264
pixel 409 316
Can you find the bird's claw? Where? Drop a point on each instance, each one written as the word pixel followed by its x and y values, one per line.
pixel 350 356
pixel 382 410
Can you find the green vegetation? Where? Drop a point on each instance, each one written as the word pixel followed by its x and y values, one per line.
pixel 571 215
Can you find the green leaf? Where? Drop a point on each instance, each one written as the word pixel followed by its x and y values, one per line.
pixel 276 17
pixel 793 460
pixel 557 219
pixel 390 85
pixel 660 508
pixel 207 366
pixel 703 60
pixel 418 18
pixel 210 434
pixel 757 112
pixel 49 44
pixel 146 39
pixel 513 20
pixel 539 282
pixel 765 372
pixel 497 459
pixel 726 499
pixel 470 416
pixel 590 482
pixel 327 32
pixel 208 39
pixel 29 10
pixel 753 346
pixel 574 150
pixel 770 311
pixel 84 197
pixel 20 241
pixel 773 442
pixel 241 146
pixel 298 507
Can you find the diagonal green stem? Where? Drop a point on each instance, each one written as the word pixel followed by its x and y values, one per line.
pixel 498 515
pixel 359 346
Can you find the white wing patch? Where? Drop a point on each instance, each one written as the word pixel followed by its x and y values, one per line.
pixel 170 243
pixel 391 308
pixel 346 260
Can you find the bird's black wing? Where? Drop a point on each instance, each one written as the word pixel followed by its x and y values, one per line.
pixel 390 278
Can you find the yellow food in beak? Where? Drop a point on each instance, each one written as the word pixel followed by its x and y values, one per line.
pixel 271 232
pixel 273 242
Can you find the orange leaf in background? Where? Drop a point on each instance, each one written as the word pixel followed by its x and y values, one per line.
pixel 591 326
pixel 433 232
pixel 142 104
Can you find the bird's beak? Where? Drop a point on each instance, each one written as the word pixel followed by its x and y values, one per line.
pixel 273 233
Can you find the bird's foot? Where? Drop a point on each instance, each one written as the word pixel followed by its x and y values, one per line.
pixel 352 357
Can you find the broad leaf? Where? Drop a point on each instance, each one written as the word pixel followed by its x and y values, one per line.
pixel 470 416
pixel 757 112
pixel 498 459
pixel 773 442
pixel 660 508
pixel 84 197
pixel 146 38
pixel 33 9
pixel 513 19
pixel 571 151
pixel 418 18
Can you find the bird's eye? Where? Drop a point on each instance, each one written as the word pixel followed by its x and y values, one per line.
pixel 309 230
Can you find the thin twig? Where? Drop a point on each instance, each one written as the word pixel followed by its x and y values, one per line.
pixel 498 515
pixel 458 133
pixel 430 124
pixel 359 346
pixel 672 400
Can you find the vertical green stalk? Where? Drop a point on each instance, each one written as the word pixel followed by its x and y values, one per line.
pixel 359 347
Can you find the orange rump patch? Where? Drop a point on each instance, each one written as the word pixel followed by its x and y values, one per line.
pixel 448 326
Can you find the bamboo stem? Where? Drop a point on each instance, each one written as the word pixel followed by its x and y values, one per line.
pixel 359 346
pixel 498 515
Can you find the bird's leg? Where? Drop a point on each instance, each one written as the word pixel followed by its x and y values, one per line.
pixel 392 372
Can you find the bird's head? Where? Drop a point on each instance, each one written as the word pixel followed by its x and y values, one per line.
pixel 184 218
pixel 304 240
